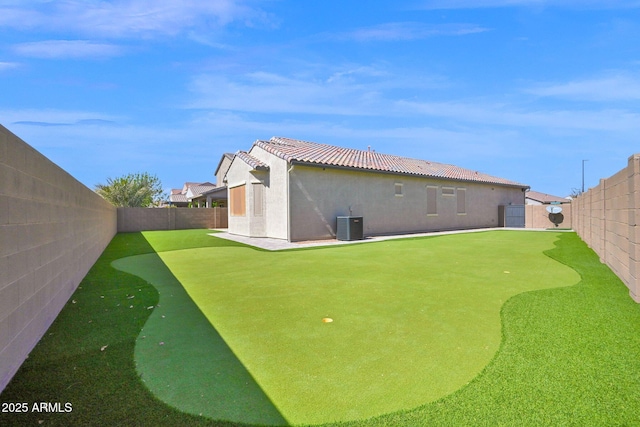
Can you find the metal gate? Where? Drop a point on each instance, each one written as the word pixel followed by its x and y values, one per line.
pixel 511 216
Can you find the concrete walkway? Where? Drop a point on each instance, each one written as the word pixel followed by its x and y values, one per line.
pixel 271 244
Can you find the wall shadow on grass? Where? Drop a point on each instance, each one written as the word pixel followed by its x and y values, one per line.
pixel 86 357
pixel 185 362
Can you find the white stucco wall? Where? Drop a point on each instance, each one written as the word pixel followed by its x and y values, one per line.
pixel 318 195
pixel 271 219
pixel 225 162
pixel 276 212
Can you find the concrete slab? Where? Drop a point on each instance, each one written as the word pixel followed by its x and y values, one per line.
pixel 271 244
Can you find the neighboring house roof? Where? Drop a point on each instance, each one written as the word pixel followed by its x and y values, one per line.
pixel 218 193
pixel 545 198
pixel 187 185
pixel 178 198
pixel 197 189
pixel 252 161
pixel 189 191
pixel 296 151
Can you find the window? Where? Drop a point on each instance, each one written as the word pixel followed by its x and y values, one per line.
pixel 448 191
pixel 432 200
pixel 237 202
pixel 258 197
pixel 399 189
pixel 461 196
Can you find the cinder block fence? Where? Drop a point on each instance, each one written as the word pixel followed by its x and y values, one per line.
pixel 537 216
pixel 141 219
pixel 52 230
pixel 606 218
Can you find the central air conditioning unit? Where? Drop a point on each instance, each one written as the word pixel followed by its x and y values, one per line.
pixel 350 228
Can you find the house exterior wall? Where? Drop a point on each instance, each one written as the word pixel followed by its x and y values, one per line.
pixel 318 195
pixel 257 185
pixel 52 230
pixel 222 170
pixel 606 218
pixel 276 195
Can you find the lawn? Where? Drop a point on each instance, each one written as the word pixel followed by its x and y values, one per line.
pixel 475 329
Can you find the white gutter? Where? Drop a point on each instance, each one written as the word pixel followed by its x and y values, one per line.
pixel 289 204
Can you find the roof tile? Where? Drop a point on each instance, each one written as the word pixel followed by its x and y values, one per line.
pixel 293 150
pixel 252 161
pixel 545 198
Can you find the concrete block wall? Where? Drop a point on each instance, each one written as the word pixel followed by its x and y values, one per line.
pixel 606 216
pixel 201 218
pixel 536 216
pixel 141 219
pixel 52 230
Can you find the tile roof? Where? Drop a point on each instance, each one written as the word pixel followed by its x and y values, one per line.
pixel 178 198
pixel 216 193
pixel 198 189
pixel 186 186
pixel 293 150
pixel 545 198
pixel 251 161
pixel 190 189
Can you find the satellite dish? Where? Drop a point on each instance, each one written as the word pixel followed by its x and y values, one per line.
pixel 554 209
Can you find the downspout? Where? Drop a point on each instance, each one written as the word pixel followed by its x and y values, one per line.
pixel 289 204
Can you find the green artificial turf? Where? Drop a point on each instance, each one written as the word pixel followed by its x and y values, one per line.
pixel 413 320
pixel 86 356
pixel 566 356
pixel 185 362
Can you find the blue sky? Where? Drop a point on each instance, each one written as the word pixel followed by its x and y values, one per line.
pixel 521 89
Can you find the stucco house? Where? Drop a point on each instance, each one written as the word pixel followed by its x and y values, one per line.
pixel 290 189
pixel 537 198
pixel 205 194
pixel 189 194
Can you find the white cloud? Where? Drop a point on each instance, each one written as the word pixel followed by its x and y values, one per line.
pixel 52 49
pixel 477 4
pixel 348 90
pixel 8 65
pixel 614 87
pixel 408 139
pixel 403 31
pixel 50 117
pixel 348 94
pixel 272 93
pixel 610 120
pixel 125 18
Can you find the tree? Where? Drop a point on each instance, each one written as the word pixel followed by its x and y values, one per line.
pixel 139 190
pixel 575 192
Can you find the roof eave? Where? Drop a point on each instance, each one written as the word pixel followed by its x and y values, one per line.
pixel 326 165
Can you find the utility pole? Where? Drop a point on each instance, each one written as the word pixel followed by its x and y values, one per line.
pixel 584 160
